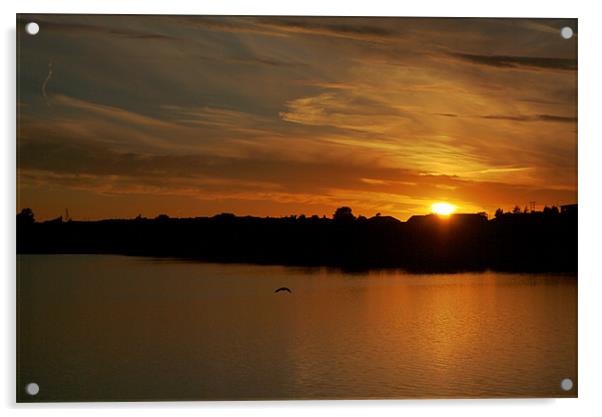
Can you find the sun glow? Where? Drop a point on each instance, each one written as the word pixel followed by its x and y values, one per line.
pixel 443 209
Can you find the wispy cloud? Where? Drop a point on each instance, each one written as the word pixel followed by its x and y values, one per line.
pixel 351 28
pixel 71 27
pixel 533 118
pixel 501 61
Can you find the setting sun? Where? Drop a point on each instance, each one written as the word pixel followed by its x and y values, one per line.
pixel 443 209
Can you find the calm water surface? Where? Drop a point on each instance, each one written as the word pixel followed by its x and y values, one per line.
pixel 95 327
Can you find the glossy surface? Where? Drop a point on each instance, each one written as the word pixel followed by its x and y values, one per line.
pixel 95 327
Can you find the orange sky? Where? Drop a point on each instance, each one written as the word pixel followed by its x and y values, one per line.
pixel 193 116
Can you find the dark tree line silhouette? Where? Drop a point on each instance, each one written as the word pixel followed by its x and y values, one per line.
pixel 515 241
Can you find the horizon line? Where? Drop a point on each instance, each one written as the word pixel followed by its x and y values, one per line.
pixel 294 215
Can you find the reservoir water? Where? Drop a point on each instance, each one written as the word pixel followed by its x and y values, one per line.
pixel 116 328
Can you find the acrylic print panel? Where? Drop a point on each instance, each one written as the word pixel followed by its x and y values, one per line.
pixel 235 208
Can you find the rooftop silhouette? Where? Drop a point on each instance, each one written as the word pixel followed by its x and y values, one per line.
pixel 536 241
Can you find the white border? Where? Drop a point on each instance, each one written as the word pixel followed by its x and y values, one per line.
pixel 590 201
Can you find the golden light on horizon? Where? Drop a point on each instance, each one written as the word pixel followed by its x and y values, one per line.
pixel 443 209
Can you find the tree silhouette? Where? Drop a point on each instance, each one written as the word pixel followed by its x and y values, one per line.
pixel 512 242
pixel 25 217
pixel 343 214
pixel 551 211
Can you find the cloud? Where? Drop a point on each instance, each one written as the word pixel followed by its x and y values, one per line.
pixel 64 162
pixel 171 127
pixel 553 118
pixel 343 110
pixel 533 118
pixel 112 112
pixel 550 26
pixel 351 28
pixel 519 62
pixel 227 24
pixel 300 112
pixel 348 28
pixel 81 28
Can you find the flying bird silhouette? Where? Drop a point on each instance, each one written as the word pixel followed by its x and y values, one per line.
pixel 283 289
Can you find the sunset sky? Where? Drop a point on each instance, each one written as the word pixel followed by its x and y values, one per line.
pixel 194 116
